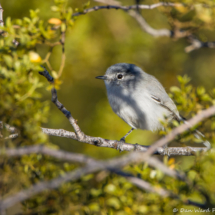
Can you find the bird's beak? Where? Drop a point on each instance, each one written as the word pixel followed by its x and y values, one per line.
pixel 103 77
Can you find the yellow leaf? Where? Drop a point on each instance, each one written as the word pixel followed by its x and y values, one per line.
pixel 181 8
pixel 49 87
pixel 54 21
pixel 34 57
pixel 172 166
pixel 57 84
pixel 204 14
pixel 171 161
pixel 54 74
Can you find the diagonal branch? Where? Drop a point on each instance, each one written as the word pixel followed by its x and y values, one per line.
pixel 147 28
pixel 93 166
pixel 41 149
pixel 80 135
pixel 197 44
pixel 9 128
pixel 63 57
pixel 182 128
pixel 75 157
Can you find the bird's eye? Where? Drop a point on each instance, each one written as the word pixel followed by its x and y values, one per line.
pixel 119 76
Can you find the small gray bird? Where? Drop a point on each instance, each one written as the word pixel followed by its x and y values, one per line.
pixel 138 98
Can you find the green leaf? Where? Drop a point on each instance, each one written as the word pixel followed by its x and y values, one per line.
pixel 183 80
pixel 213 125
pixel 175 89
pixel 110 188
pixel 27 20
pixel 95 192
pixel 63 27
pixel 86 5
pixel 113 202
pixel 94 207
pixel 34 13
pixel 55 8
pixel 200 90
pixel 8 22
pixel 206 97
pixel 8 60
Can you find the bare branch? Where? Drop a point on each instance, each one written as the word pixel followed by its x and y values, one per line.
pixel 126 8
pixel 147 28
pixel 16 43
pixel 55 183
pixel 59 154
pixel 1 17
pixel 155 148
pixel 91 167
pixel 63 57
pixel 9 128
pixel 196 44
pixel 75 157
pixel 78 132
pixel 177 33
pixel 100 142
pixel 46 60
pixel 12 136
pixel 109 2
pixel 182 128
pixel 144 185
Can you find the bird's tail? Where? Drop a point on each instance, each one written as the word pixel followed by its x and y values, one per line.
pixel 197 134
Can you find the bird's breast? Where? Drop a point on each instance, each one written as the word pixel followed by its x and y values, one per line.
pixel 137 110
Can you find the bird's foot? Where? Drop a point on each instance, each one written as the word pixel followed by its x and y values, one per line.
pixel 136 147
pixel 165 147
pixel 122 139
pixel 120 144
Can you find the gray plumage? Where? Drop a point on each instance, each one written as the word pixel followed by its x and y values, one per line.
pixel 137 97
pixel 140 99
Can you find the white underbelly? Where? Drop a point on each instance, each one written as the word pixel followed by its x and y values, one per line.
pixel 144 114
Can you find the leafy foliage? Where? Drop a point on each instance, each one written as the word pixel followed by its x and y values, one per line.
pixel 22 105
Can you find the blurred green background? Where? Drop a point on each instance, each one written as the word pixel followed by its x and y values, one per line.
pixel 98 40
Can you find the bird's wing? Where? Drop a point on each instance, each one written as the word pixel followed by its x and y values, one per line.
pixel 158 94
pixel 168 105
pixel 179 118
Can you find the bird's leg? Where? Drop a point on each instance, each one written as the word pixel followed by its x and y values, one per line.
pixel 123 138
pixel 119 145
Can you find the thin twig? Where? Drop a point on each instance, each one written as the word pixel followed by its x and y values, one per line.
pixel 78 132
pixel 126 8
pixel 46 60
pixel 197 44
pixel 147 28
pixel 12 136
pixel 9 128
pixel 63 57
pixel 1 17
